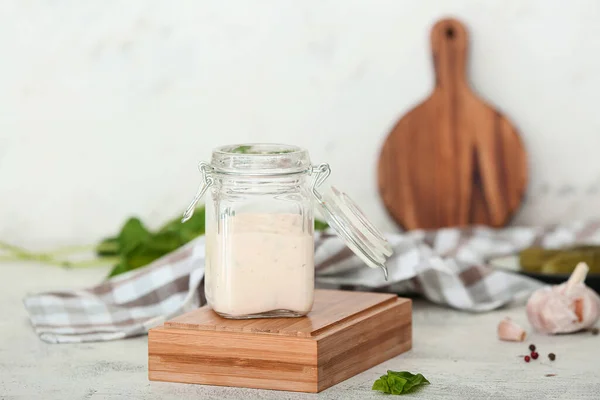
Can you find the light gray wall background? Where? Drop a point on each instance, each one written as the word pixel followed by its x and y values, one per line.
pixel 107 106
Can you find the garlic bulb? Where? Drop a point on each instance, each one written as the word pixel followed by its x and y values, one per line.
pixel 564 308
pixel 510 331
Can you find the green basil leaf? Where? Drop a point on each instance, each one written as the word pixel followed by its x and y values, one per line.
pixel 399 382
pixel 241 149
pixel 190 229
pixel 140 258
pixel 381 385
pixel 132 234
pixel 417 380
pixel 153 248
pixel 108 247
pixel 320 225
pixel 396 384
pixel 120 268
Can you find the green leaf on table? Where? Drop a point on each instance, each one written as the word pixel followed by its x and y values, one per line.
pixel 396 384
pixel 399 382
pixel 412 380
pixel 381 385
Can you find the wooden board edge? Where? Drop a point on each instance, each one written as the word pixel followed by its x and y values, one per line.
pixel 366 314
pixel 336 364
pixel 157 371
pixel 361 314
pixel 246 383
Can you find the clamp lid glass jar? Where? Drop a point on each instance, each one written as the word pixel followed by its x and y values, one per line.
pixel 259 229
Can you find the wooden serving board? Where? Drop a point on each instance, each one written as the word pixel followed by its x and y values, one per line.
pixel 453 160
pixel 345 334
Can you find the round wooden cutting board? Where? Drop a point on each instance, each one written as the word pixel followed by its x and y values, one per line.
pixel 453 160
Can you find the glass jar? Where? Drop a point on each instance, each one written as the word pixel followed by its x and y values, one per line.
pixel 259 229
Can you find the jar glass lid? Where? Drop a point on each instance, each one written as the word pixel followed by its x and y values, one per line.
pixel 351 225
pixel 342 214
pixel 260 159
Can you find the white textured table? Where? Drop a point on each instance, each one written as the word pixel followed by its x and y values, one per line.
pixel 457 352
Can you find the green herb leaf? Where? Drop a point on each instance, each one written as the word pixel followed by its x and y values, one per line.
pixel 132 235
pixel 399 382
pixel 137 247
pixel 412 380
pixel 120 268
pixel 381 385
pixel 241 149
pixel 108 247
pixel 189 230
pixel 320 225
pixel 396 384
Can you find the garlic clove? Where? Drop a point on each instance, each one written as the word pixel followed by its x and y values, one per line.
pixel 564 308
pixel 510 331
pixel 578 305
pixel 577 277
pixel 557 314
pixel 535 305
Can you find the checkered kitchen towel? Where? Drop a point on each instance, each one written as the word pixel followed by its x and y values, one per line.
pixel 447 266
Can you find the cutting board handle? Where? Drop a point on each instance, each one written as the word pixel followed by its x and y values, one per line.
pixel 449 44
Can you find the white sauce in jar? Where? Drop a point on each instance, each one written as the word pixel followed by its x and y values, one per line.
pixel 259 263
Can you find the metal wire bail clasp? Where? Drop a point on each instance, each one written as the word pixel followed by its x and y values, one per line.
pixel 321 172
pixel 207 181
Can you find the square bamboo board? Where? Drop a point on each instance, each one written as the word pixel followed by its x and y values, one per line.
pixel 345 333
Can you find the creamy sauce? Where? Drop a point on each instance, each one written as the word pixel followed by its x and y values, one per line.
pixel 260 263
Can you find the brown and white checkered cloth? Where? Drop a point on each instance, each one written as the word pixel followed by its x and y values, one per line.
pixel 446 266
